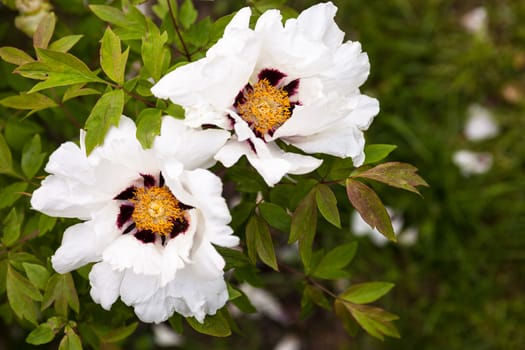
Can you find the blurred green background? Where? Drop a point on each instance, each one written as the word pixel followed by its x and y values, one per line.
pixel 462 284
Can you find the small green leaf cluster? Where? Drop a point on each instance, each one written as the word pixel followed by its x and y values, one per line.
pixel 133 52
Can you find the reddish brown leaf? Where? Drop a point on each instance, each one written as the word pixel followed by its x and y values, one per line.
pixel 368 204
pixel 396 174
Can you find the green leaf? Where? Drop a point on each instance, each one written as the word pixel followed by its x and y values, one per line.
pixel 344 315
pixel 9 194
pixel 276 216
pixel 365 293
pixel 15 56
pixel 70 341
pixel 231 322
pixel 148 126
pixel 199 34
pixel 17 259
pixel 21 295
pixel 215 325
pixel 109 14
pixel 22 284
pixel 12 223
pixel 375 321
pixel 330 266
pixel 105 114
pixel 130 25
pixel 34 70
pixel 370 207
pixel 377 152
pixel 304 227
pixel 259 239
pixel 112 60
pixel 240 214
pixel 239 299
pixel 246 179
pixel 395 174
pixel 65 43
pixel 234 258
pixel 45 224
pixel 44 31
pixel 3 275
pixel 45 332
pixel 78 90
pixel 6 161
pixel 327 204
pixel 37 274
pixel 32 158
pixel 218 26
pixel 116 335
pixel 61 291
pixel 317 296
pixel 304 217
pixel 156 57
pixel 42 334
pixel 176 323
pixel 187 14
pixel 58 69
pixel 34 101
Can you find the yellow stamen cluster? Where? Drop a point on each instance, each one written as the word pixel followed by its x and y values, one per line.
pixel 266 108
pixel 156 208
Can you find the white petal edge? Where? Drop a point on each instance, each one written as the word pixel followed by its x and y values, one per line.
pixel 105 284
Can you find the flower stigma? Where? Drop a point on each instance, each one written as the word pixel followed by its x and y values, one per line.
pixel 156 209
pixel 266 107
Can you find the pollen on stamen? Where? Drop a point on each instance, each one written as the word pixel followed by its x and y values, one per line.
pixel 156 208
pixel 265 107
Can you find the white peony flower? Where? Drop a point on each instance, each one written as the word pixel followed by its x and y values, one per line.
pixel 297 83
pixel 476 20
pixel 265 303
pixel 480 124
pixel 165 337
pixel 472 163
pixel 289 342
pixel 150 219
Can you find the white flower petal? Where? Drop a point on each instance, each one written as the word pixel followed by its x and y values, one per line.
pixel 177 251
pixel 201 296
pixel 105 284
pixel 349 70
pixel 165 336
pixel 192 148
pixel 83 243
pixel 480 124
pixel 472 163
pixel 78 248
pixel 476 20
pixel 157 309
pixel 289 342
pixel 65 197
pixel 69 160
pixel 265 303
pixel 127 252
pixel 230 153
pixel 217 78
pixel 206 190
pixel 121 154
pixel 317 22
pixel 270 161
pixel 138 288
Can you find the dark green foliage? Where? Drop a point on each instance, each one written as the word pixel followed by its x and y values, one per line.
pixel 459 287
